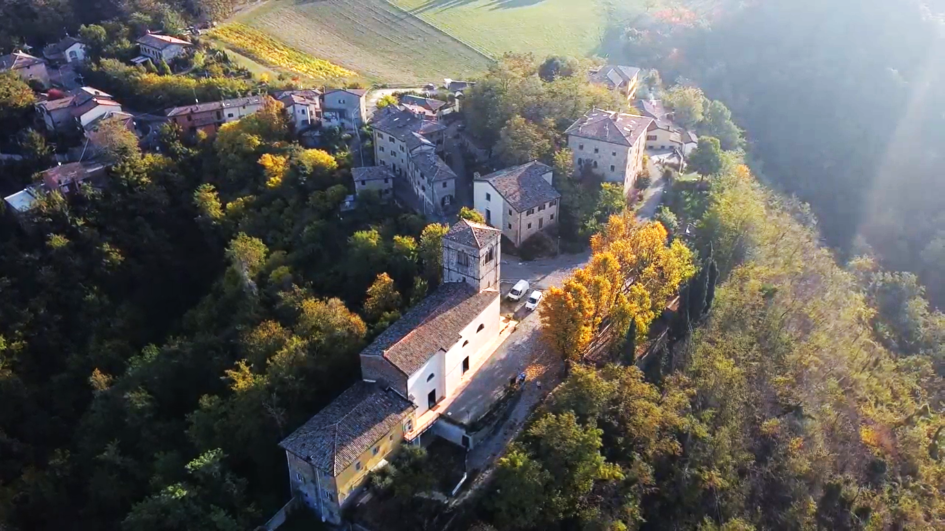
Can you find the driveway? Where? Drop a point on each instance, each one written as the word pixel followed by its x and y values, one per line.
pixel 652 196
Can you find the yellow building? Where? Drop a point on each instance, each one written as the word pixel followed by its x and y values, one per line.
pixel 330 456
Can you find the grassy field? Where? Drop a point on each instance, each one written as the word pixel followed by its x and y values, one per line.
pixel 371 37
pixel 264 49
pixel 543 27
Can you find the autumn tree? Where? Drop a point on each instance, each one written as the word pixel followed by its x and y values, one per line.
pixel 471 214
pixel 16 101
pixel 387 100
pixel 566 315
pixel 113 140
pixel 431 252
pixel 382 298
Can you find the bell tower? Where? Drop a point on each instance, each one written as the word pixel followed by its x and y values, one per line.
pixel 471 254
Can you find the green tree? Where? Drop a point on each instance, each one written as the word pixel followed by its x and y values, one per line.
pixel 718 123
pixel 431 252
pixel 382 297
pixel 519 497
pixel 555 66
pixel 163 68
pixel 687 104
pixel 16 101
pixel 113 141
pixel 521 141
pixel 706 159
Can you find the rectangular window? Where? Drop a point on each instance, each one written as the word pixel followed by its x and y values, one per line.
pixel 219 115
pixel 541 207
pixel 611 167
pixel 381 148
pixel 596 150
pixel 553 202
pixel 490 255
pixel 385 180
pixel 510 225
pixel 401 148
pixel 541 222
pixel 580 147
pixel 375 450
pixel 357 466
pixel 488 196
pixel 229 115
pixel 651 137
pixel 363 183
pixel 444 185
pixel 595 163
pixel 552 216
pixel 530 212
pixel 613 153
pixel 462 259
pixel 465 364
pixel 390 437
pixel 529 225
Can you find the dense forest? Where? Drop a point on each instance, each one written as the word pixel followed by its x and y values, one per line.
pixel 841 103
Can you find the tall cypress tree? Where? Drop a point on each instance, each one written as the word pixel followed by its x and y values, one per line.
pixel 710 290
pixel 630 344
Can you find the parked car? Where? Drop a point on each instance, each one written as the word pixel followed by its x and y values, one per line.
pixel 518 290
pixel 533 300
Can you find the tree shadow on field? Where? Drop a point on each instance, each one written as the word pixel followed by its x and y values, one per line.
pixel 512 4
pixel 441 5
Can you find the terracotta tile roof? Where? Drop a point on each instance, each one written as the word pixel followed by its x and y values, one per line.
pixel 470 234
pixel 71 172
pixel 401 124
pixel 371 173
pixel 298 97
pixel 431 166
pixel 160 41
pixel 427 103
pixel 214 106
pixel 17 60
pixel 353 422
pixel 523 186
pixel 614 76
pixel 611 127
pixel 92 103
pixel 431 326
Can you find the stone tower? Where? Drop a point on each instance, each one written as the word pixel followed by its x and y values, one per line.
pixel 471 254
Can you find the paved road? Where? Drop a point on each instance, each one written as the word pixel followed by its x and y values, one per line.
pixel 652 196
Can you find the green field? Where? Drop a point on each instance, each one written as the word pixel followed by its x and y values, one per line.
pixel 372 37
pixel 543 27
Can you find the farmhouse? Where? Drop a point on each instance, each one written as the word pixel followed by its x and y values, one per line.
pixel 376 178
pixel 26 66
pixel 609 144
pixel 208 117
pixel 432 180
pixel 623 79
pixel 303 106
pixel 410 373
pixel 519 201
pixel 69 50
pixel 161 47
pixel 345 108
pixel 663 134
pixel 426 108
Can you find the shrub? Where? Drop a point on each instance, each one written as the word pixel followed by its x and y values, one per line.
pixel 538 245
pixel 643 182
pixel 666 216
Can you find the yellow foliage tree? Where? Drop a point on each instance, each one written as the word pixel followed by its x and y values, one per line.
pixel 566 319
pixel 275 167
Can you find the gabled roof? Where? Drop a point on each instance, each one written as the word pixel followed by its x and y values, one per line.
pixel 426 103
pixel 470 233
pixel 655 109
pixel 611 127
pixel 523 186
pixel 614 76
pixel 70 172
pixel 78 97
pixel 371 173
pixel 56 49
pixel 357 92
pixel 353 422
pixel 298 97
pixel 214 106
pixel 160 41
pixel 91 103
pixel 431 166
pixel 432 325
pixel 17 60
pixel 403 124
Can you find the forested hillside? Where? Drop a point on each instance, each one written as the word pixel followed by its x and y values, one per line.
pixel 843 107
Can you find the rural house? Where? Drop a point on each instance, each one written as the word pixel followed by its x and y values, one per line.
pixel 345 108
pixel 208 117
pixel 432 180
pixel 377 178
pixel 623 79
pixel 78 109
pixel 663 134
pixel 427 108
pixel 64 178
pixel 609 144
pixel 26 66
pixel 519 201
pixel 159 48
pixel 67 50
pixel 410 374
pixel 304 107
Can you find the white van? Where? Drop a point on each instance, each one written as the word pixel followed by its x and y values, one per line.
pixel 518 290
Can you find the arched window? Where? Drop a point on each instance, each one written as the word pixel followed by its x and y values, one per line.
pixel 465 342
pixel 480 328
pixel 430 377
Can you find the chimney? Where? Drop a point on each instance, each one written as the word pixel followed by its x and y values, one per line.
pixel 476 176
